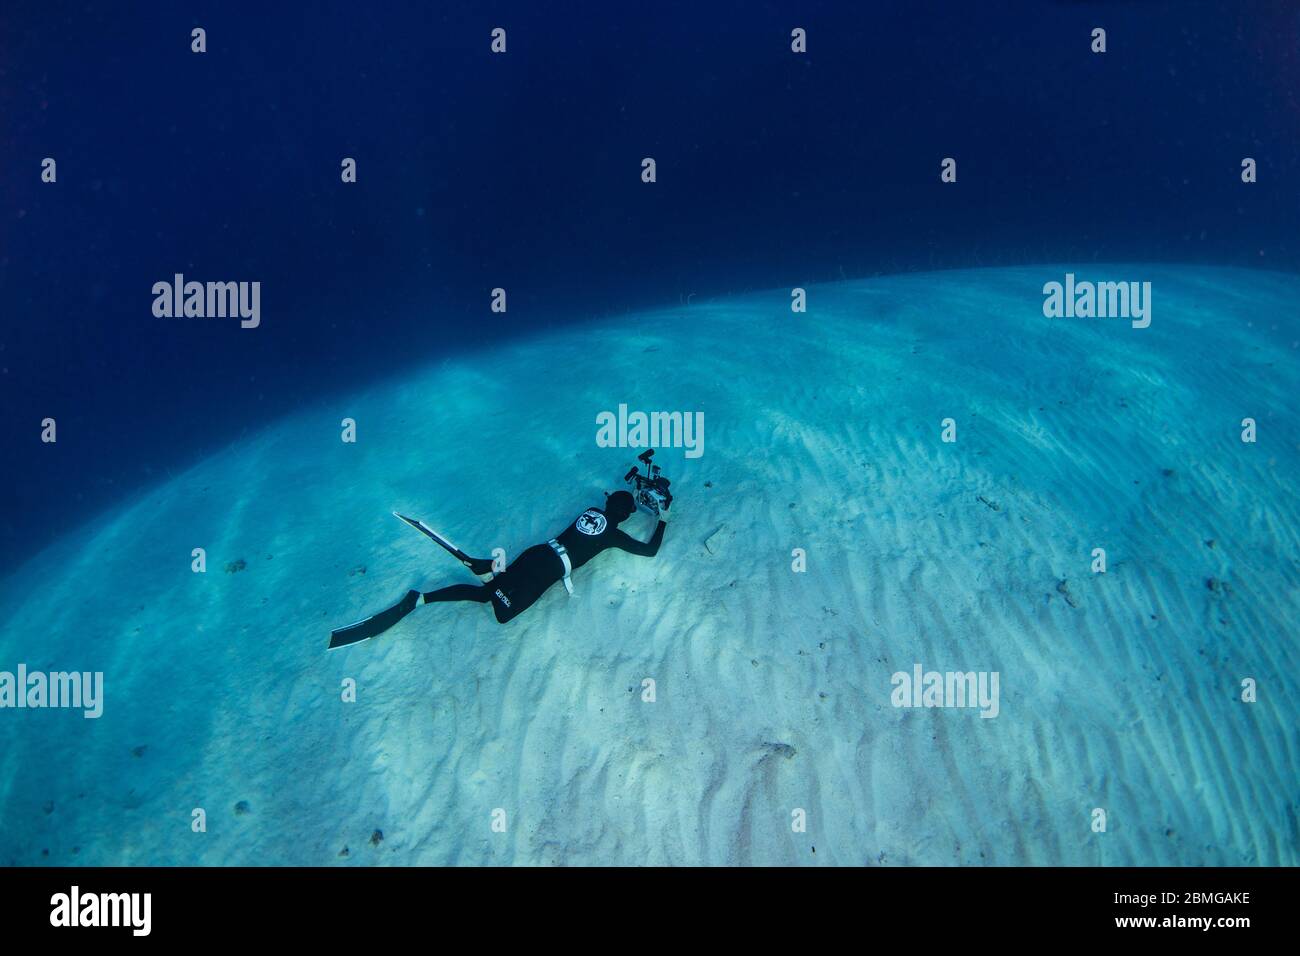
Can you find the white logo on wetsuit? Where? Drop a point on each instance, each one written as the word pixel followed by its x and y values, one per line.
pixel 590 522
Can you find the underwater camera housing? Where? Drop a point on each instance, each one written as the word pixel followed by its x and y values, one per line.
pixel 651 489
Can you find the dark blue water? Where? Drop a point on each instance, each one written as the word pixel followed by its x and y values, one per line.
pixel 523 171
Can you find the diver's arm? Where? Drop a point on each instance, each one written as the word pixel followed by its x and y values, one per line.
pixel 646 549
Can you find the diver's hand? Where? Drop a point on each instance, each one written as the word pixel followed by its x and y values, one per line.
pixel 663 514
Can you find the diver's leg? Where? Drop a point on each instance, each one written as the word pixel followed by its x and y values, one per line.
pixel 459 592
pixel 502 606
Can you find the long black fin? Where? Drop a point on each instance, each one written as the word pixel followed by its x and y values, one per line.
pixel 480 567
pixel 374 625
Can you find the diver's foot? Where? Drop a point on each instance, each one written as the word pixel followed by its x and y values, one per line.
pixel 408 603
pixel 481 568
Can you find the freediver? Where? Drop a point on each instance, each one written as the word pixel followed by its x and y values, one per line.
pixel 517 588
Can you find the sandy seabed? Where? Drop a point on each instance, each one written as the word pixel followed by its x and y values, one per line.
pixel 1119 691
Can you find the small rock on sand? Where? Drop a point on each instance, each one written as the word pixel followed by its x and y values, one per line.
pixel 713 543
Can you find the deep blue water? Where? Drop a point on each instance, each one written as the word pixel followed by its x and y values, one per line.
pixel 522 171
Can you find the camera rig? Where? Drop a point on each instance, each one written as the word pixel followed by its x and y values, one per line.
pixel 651 489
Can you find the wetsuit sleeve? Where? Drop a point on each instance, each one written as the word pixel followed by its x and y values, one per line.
pixel 647 549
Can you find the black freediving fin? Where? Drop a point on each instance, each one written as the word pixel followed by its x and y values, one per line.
pixel 482 567
pixel 374 625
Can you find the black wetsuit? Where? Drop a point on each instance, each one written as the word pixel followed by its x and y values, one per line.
pixel 519 586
